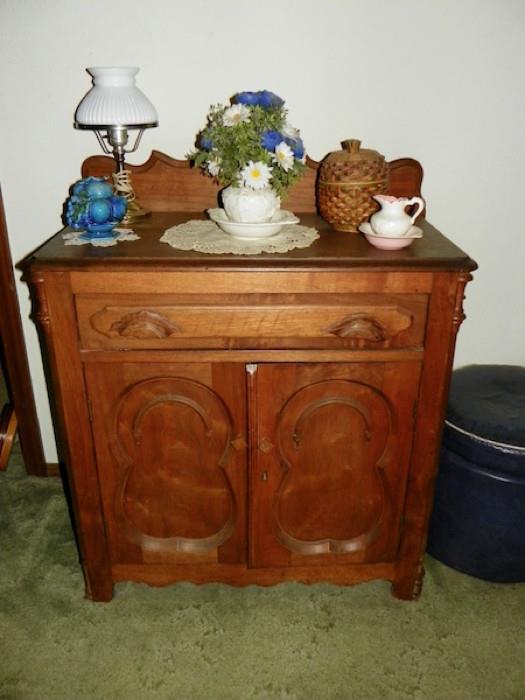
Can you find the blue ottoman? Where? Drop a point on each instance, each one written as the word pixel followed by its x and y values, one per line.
pixel 478 522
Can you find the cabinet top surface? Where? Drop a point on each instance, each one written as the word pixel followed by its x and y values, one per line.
pixel 332 250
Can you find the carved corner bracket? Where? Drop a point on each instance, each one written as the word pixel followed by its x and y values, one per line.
pixel 459 315
pixel 40 313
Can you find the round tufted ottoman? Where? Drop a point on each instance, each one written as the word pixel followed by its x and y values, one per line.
pixel 478 522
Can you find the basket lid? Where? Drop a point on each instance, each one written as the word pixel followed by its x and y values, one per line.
pixel 352 152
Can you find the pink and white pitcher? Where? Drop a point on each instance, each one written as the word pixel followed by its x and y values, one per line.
pixel 392 219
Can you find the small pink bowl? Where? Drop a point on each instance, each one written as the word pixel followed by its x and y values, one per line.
pixel 388 243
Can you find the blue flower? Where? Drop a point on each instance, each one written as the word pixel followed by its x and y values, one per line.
pixel 270 139
pixel 297 147
pixel 205 142
pixel 269 99
pixel 246 98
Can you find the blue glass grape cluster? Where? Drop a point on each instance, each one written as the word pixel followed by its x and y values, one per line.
pixel 93 207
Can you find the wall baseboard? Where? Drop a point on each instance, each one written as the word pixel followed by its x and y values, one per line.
pixel 52 469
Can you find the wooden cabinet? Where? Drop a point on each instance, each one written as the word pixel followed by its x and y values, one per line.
pixel 250 420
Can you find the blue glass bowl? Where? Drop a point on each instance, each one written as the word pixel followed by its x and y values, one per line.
pixel 100 230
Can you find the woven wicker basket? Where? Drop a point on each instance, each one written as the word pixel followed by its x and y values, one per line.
pixel 347 181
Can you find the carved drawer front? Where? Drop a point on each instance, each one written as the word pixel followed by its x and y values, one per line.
pixel 252 321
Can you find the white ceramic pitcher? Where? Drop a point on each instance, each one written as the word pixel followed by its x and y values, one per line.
pixel 392 219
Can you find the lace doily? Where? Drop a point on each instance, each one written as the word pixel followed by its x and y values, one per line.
pixel 207 237
pixel 122 234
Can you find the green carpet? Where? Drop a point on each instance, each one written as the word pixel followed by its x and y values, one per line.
pixel 464 639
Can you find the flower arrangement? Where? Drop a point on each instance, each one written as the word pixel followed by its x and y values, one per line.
pixel 250 143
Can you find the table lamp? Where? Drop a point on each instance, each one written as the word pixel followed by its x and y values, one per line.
pixel 115 105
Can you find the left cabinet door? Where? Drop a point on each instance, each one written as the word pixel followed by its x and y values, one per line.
pixel 170 441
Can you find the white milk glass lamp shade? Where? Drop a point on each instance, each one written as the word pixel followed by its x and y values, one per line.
pixel 115 105
pixel 115 100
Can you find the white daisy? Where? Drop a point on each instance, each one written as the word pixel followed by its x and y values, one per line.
pixel 284 156
pixel 256 175
pixel 214 167
pixel 235 115
pixel 290 132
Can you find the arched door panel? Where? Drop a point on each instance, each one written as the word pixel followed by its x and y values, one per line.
pixel 332 447
pixel 175 437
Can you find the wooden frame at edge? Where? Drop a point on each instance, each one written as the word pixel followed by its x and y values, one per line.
pixel 15 364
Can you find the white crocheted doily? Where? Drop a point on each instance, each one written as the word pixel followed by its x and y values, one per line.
pixel 122 234
pixel 207 237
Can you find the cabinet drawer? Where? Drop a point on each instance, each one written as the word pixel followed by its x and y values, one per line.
pixel 251 321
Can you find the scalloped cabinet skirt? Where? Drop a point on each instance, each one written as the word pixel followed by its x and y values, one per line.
pixel 478 522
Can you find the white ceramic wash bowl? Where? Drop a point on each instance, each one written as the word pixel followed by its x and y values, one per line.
pixel 261 230
pixel 390 242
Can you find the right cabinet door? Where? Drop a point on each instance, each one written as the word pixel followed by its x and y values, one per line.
pixel 331 448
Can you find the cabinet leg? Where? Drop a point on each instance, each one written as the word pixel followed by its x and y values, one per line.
pixel 409 587
pixel 99 589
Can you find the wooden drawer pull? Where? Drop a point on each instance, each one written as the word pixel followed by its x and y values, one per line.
pixel 359 326
pixel 144 324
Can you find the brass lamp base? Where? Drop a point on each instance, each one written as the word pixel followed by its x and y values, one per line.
pixel 134 213
pixel 124 188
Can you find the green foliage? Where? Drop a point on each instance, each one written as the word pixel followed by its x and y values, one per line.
pixel 223 151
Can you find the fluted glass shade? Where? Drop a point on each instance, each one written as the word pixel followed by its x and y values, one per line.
pixel 115 100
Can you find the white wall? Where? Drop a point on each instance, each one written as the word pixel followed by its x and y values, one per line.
pixel 438 80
